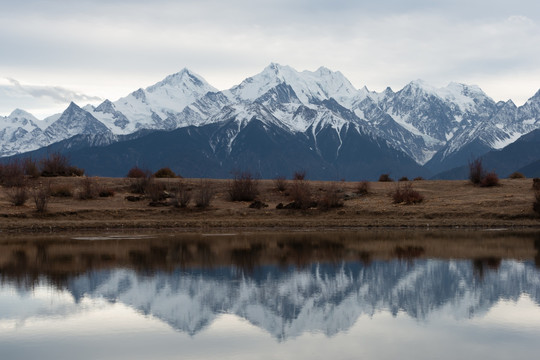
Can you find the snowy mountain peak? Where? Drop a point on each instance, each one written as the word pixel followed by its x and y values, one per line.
pixel 310 87
pixel 19 113
pixel 72 108
pixel 139 94
pixel 535 97
pixel 182 79
pixel 105 107
pixel 323 70
pixel 421 85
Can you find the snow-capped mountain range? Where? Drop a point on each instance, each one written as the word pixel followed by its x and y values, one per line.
pixel 287 303
pixel 435 127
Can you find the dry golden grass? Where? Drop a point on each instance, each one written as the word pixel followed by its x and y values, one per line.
pixel 446 204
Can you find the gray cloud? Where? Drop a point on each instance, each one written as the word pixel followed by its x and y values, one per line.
pixel 55 93
pixel 41 101
pixel 113 47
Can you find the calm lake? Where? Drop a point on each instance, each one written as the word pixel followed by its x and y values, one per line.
pixel 341 295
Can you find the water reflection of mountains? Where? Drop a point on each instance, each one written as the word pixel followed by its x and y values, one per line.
pixel 323 287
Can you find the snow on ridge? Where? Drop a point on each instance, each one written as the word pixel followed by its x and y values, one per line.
pixel 459 94
pixel 319 85
pixel 501 143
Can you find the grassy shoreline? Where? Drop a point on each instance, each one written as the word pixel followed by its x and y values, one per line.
pixel 446 204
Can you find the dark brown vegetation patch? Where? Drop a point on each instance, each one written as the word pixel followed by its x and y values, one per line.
pixel 165 173
pixel 362 188
pixel 243 187
pixel 516 175
pixel 405 194
pixel 490 179
pixel 330 198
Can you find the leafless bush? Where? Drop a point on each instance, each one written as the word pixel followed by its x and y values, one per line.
pixel 300 194
pixel 536 204
pixel 30 168
pixel 299 175
pixel 418 178
pixel 105 192
pixel 362 188
pixel 17 195
pixel 204 195
pixel 406 194
pixel 385 178
pixel 61 191
pixel 155 190
pixel 140 180
pixel 54 164
pixel 489 180
pixel 57 164
pixel 280 183
pixel 243 187
pixel 404 178
pixel 536 184
pixel 330 198
pixel 41 195
pixel 476 171
pixel 12 174
pixel 182 195
pixel 87 190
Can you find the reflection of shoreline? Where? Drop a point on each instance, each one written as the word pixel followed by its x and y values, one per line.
pixel 27 259
pixel 288 302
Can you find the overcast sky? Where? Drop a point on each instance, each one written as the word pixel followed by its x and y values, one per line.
pixel 52 52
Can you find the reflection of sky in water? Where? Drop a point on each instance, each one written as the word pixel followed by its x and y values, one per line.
pixel 120 314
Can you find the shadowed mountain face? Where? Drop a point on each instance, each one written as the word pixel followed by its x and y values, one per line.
pixel 285 285
pixel 522 156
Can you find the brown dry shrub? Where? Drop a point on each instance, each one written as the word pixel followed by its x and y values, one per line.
pixel 280 183
pixel 362 188
pixel 516 175
pixel 17 195
pixel 138 173
pixel 182 195
pixel 165 173
pixel 31 168
pixel 204 194
pixel 61 191
pixel 300 194
pixel 476 171
pixel 489 180
pixel 330 198
pixel 406 194
pixel 12 174
pixel 57 164
pixel 243 187
pixel 155 190
pixel 536 184
pixel 385 178
pixel 418 178
pixel 88 189
pixel 105 192
pixel 41 195
pixel 536 204
pixel 299 175
pixel 404 178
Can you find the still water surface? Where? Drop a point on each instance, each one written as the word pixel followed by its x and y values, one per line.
pixel 272 296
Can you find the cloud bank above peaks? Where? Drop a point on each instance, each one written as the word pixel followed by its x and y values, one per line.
pixel 113 47
pixel 34 98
